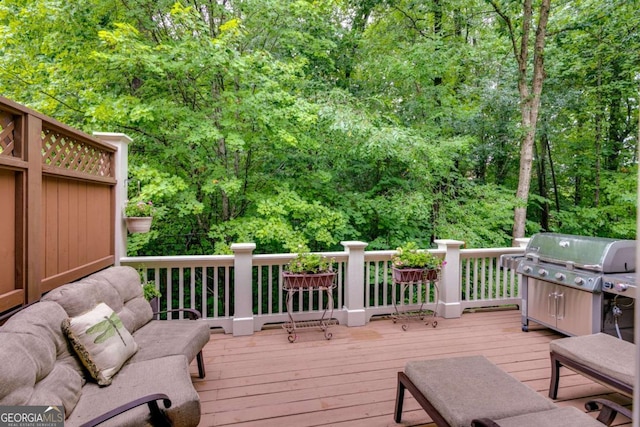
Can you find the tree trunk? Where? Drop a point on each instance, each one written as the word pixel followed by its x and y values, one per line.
pixel 542 184
pixel 554 181
pixel 529 97
pixel 598 137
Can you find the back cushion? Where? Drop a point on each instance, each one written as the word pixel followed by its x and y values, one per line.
pixel 38 366
pixel 118 287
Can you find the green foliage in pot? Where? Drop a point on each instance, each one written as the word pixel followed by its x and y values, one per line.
pixel 410 256
pixel 150 291
pixel 138 208
pixel 308 263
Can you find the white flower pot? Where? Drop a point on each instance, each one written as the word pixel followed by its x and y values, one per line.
pixel 139 224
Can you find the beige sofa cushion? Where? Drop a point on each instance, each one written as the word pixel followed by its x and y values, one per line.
pixel 38 366
pixel 118 287
pixel 165 338
pixel 170 375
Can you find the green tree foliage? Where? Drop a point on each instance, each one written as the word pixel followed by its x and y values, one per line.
pixel 299 123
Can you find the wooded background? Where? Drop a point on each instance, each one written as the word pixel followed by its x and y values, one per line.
pixel 290 123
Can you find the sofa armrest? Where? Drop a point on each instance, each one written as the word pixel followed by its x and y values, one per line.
pixel 158 417
pixel 192 313
pixel 608 410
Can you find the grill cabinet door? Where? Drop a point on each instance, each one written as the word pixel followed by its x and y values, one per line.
pixel 541 302
pixel 578 312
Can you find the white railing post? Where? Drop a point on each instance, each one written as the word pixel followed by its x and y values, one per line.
pixel 522 242
pixel 243 288
pixel 354 283
pixel 121 141
pixel 449 286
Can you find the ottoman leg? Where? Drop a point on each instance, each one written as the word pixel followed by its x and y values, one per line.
pixel 555 376
pixel 399 399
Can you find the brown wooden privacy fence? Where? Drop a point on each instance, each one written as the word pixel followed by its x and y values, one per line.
pixel 57 188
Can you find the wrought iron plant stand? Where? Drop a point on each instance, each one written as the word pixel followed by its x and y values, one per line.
pixel 407 278
pixel 322 282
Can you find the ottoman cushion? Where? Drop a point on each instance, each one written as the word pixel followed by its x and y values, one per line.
pixel 560 417
pixel 464 388
pixel 609 355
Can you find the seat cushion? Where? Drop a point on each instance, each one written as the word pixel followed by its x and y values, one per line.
pixel 169 337
pixel 559 417
pixel 609 355
pixel 38 365
pixel 464 388
pixel 168 375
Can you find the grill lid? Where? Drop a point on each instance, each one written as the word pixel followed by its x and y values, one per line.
pixel 591 253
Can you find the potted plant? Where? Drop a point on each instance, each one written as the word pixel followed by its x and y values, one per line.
pixel 309 270
pixel 138 215
pixel 150 291
pixel 410 264
pixel 152 294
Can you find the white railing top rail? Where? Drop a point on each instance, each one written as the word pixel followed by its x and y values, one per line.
pixel 489 252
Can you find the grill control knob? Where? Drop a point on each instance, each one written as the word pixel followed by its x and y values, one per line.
pixel 607 285
pixel 560 276
pixel 542 272
pixel 527 269
pixel 621 287
pixel 578 281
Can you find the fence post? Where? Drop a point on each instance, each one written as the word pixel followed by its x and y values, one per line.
pixel 450 279
pixel 243 288
pixel 121 141
pixel 32 147
pixel 354 283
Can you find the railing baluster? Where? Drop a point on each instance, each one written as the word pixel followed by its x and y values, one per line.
pixel 227 292
pixel 259 286
pixel 169 289
pixel 192 288
pixel 368 284
pixel 180 290
pixel 203 293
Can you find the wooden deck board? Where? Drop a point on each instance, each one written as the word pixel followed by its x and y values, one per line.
pixel 350 380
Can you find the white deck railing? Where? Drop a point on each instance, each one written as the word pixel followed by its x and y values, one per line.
pixel 243 292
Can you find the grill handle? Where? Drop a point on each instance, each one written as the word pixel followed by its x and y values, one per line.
pixel 556 305
pixel 560 301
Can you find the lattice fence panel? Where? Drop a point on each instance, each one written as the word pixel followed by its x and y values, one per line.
pixel 6 134
pixel 64 152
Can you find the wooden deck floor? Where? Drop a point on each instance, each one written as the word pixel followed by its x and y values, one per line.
pixel 350 380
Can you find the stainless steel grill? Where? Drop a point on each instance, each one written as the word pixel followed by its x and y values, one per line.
pixel 563 279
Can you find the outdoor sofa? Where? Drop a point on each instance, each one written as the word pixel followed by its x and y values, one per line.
pixel 124 370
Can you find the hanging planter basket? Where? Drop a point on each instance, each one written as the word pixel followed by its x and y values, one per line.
pixel 139 224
